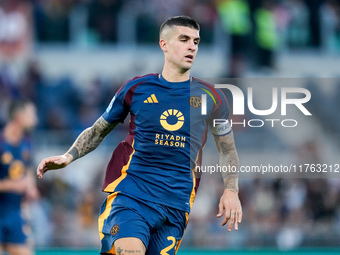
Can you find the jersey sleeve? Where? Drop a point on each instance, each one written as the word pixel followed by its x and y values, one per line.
pixel 119 106
pixel 219 118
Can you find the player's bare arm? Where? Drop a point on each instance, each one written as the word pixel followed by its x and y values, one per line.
pixel 90 138
pixel 228 157
pixel 17 186
pixel 229 204
pixel 86 142
pixel 32 192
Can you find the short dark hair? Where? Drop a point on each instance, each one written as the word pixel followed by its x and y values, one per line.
pixel 185 21
pixel 15 106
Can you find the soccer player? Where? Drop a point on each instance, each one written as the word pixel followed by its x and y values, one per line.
pixel 16 176
pixel 151 178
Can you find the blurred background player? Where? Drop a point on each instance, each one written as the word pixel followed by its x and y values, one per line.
pixel 16 178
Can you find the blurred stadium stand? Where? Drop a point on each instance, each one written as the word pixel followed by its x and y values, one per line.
pixel 76 54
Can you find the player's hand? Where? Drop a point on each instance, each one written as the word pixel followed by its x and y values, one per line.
pixel 230 206
pixel 53 163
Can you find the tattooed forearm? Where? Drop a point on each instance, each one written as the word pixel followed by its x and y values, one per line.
pixel 73 151
pixel 224 147
pixel 90 138
pixel 231 182
pixel 228 157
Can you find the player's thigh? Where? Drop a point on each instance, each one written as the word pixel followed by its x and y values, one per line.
pixel 167 239
pixel 129 245
pixel 119 219
pixel 14 234
pixel 164 242
pixel 15 249
pixel 1 248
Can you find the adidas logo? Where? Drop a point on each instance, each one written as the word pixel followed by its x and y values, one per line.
pixel 151 99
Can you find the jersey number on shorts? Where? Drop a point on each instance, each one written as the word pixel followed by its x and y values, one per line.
pixel 165 250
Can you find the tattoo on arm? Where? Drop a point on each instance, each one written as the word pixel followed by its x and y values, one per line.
pixel 228 157
pixel 119 251
pixel 90 138
pixel 73 151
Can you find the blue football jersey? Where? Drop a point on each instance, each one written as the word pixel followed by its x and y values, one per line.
pixel 167 133
pixel 14 160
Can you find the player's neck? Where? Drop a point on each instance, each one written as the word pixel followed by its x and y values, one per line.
pixel 174 75
pixel 13 133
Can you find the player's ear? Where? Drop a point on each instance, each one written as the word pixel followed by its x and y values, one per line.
pixel 163 45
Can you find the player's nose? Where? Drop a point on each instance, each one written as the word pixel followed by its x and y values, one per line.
pixel 192 46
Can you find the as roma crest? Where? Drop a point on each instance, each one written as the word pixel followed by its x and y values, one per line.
pixel 195 101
